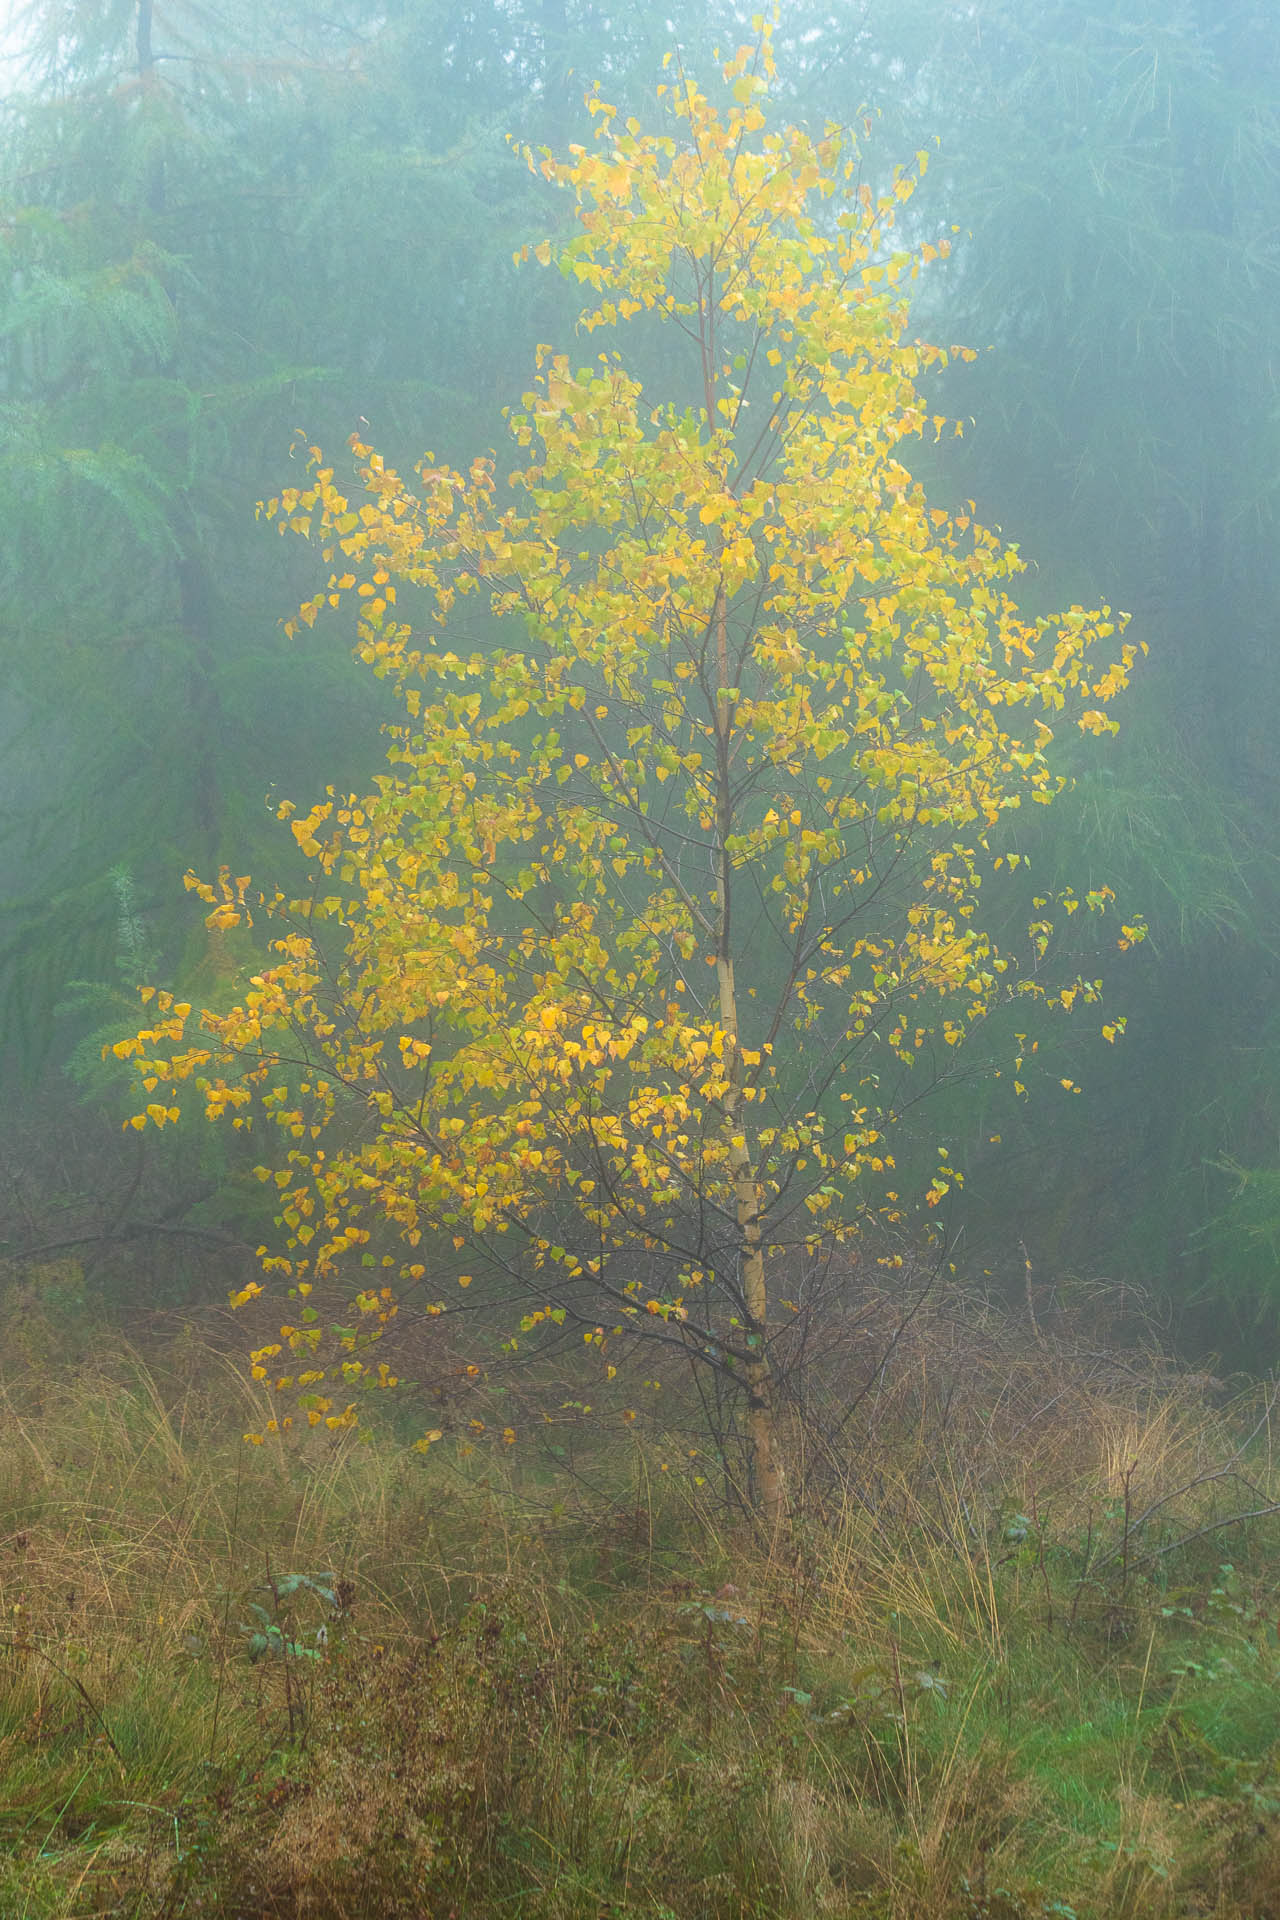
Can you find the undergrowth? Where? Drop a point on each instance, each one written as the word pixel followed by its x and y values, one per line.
pixel 1018 1659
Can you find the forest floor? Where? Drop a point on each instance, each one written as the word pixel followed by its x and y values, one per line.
pixel 1018 1656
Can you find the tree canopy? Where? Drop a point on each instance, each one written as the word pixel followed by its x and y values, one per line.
pixel 668 903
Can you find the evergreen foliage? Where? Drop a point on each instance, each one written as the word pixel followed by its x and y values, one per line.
pixel 1119 171
pixel 220 225
pixel 195 208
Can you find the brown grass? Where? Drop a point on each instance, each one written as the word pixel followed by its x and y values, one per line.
pixel 996 1666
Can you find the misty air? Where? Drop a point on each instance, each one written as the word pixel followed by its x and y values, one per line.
pixel 640 1202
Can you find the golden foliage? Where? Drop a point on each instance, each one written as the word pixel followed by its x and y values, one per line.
pixel 664 891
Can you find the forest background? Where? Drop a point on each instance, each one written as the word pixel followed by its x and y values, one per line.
pixel 1011 1651
pixel 222 228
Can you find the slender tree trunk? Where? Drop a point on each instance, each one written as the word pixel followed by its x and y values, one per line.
pixel 770 1480
pixel 146 73
pixel 196 612
pixel 761 1418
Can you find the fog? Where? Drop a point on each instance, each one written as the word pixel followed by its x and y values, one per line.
pixel 638 979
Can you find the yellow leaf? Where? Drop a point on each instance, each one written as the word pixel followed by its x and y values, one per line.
pixel 731 603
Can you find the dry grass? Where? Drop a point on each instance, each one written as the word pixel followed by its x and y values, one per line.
pixel 997 1673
